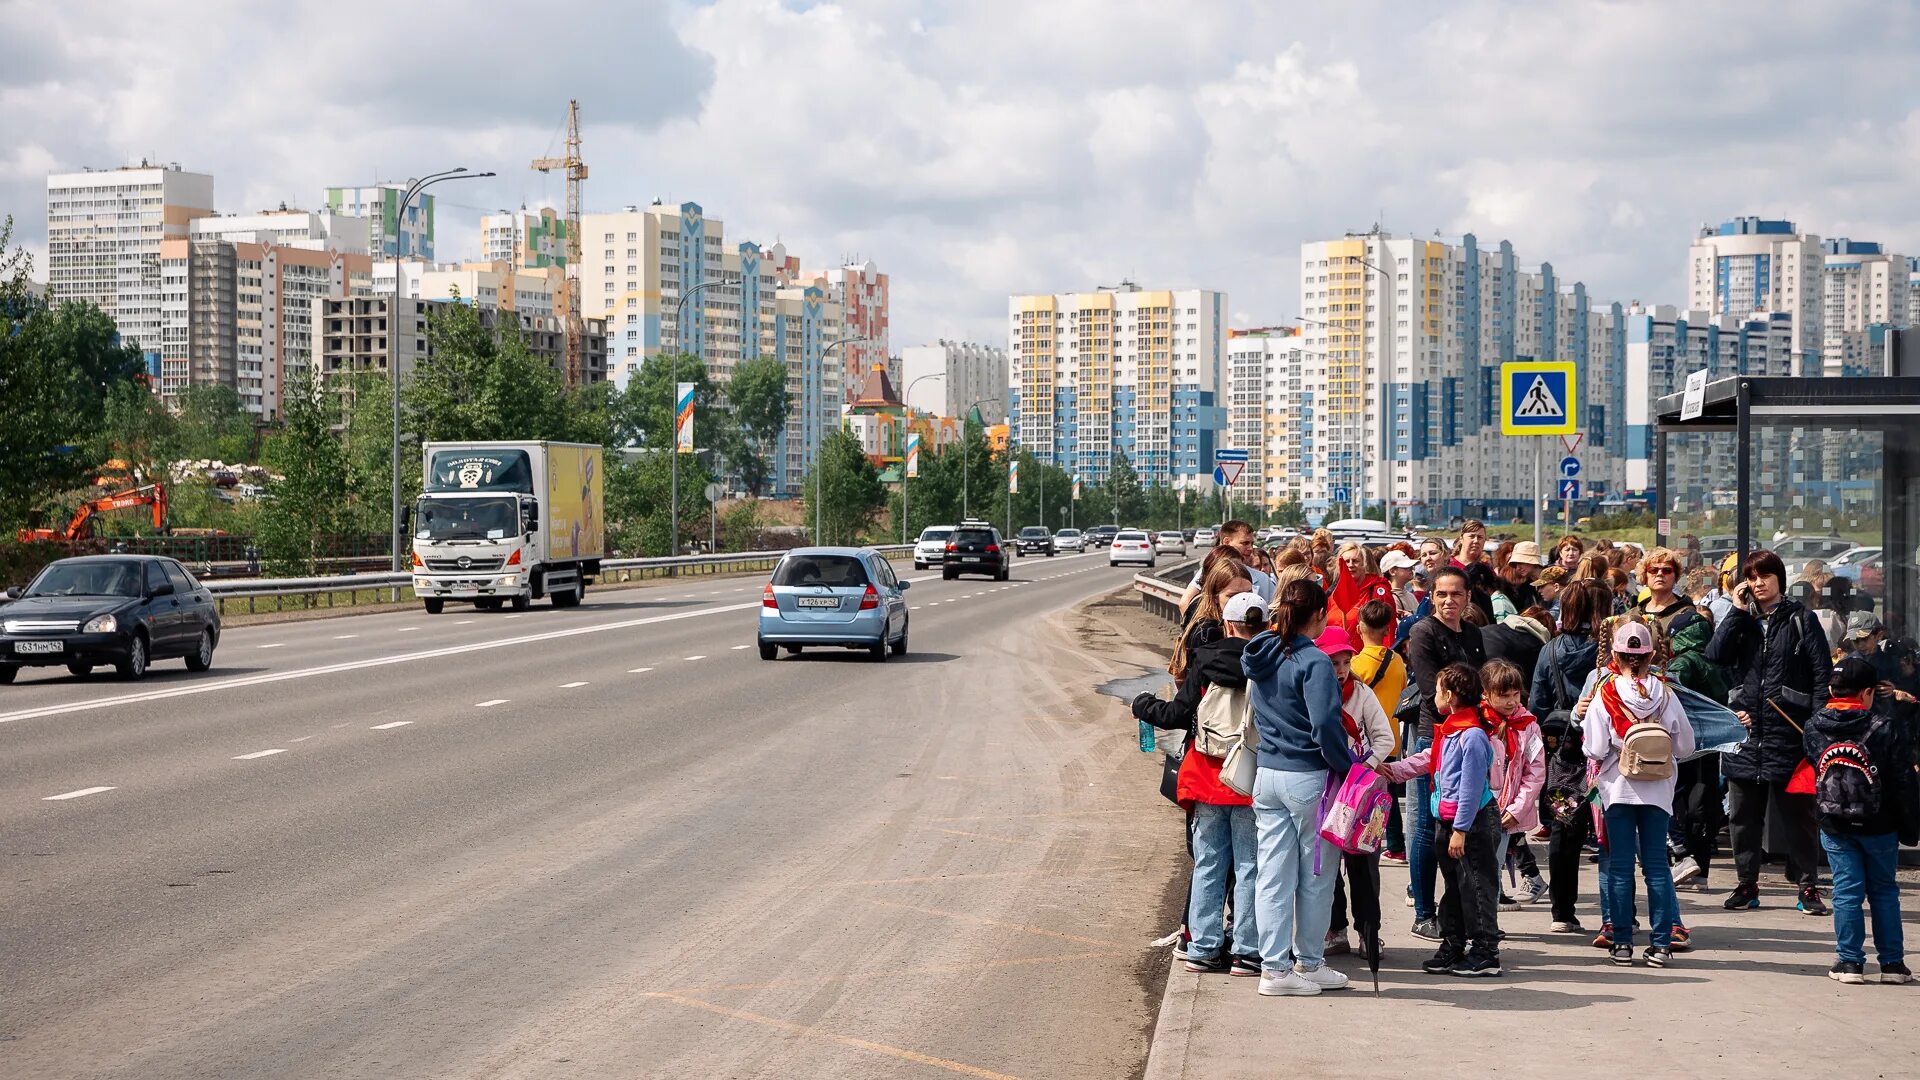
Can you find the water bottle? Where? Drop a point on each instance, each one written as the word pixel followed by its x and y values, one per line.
pixel 1146 737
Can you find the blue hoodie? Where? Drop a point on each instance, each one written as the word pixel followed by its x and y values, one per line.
pixel 1296 706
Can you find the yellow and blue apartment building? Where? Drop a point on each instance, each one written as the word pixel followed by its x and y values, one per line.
pixel 1119 370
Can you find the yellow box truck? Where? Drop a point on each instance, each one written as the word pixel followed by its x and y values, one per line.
pixel 501 523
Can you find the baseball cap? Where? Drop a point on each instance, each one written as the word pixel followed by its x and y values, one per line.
pixel 1852 675
pixel 1526 552
pixel 1396 560
pixel 1553 575
pixel 1334 641
pixel 1863 624
pixel 1242 605
pixel 1632 639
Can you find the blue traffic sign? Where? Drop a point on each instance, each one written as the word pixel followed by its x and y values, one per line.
pixel 1569 467
pixel 1229 455
pixel 1537 397
pixel 1340 495
pixel 1569 489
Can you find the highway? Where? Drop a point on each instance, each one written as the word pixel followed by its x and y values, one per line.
pixel 606 841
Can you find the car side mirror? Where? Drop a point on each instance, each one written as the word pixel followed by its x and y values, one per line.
pixel 905 585
pixel 406 520
pixel 13 593
pixel 165 588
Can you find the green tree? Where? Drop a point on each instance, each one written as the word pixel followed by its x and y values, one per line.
pixel 482 383
pixel 644 413
pixel 138 430
pixel 213 425
pixel 757 395
pixel 853 493
pixel 58 365
pixel 638 498
pixel 308 500
pixel 1123 487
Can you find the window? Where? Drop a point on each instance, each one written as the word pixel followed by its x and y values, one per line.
pixel 156 577
pixel 177 574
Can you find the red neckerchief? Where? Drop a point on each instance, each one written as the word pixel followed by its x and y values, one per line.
pixel 1457 721
pixel 1845 703
pixel 1346 695
pixel 1610 696
pixel 1511 727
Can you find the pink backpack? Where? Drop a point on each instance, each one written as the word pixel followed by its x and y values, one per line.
pixel 1355 818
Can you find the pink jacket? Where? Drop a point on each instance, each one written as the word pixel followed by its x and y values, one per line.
pixel 1520 787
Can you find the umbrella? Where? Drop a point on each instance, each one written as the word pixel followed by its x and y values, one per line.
pixel 1363 879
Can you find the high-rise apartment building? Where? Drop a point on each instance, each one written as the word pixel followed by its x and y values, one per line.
pixel 104 231
pixel 861 291
pixel 487 284
pixel 351 334
pixel 1752 264
pixel 1864 287
pixel 528 239
pixel 974 374
pixel 1119 370
pixel 388 233
pixel 1263 380
pixel 313 230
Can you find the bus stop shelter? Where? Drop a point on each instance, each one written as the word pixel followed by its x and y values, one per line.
pixel 1862 433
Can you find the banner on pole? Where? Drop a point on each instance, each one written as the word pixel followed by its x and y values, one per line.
pixel 913 454
pixel 1076 489
pixel 683 418
pixel 1013 476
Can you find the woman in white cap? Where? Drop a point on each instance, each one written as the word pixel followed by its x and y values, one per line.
pixel 1398 567
pixel 1513 592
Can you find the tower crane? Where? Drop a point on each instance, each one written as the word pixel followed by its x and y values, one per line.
pixel 575 169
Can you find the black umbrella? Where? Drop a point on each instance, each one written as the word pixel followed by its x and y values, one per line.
pixel 1363 879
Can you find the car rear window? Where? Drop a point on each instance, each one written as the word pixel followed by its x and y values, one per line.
pixel 973 536
pixel 834 571
pixel 1131 536
pixel 936 534
pixel 1033 531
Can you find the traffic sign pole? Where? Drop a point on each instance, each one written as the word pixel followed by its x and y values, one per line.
pixel 1539 490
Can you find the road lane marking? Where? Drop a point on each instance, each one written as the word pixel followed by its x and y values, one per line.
pixel 987 836
pixel 915 607
pixel 965 966
pixel 406 629
pixel 463 622
pixel 191 689
pixel 699 656
pixel 302 738
pixel 275 645
pixel 571 685
pixel 490 703
pixel 509 616
pixel 260 754
pixel 77 794
pixel 343 637
pixel 638 670
pixel 384 727
pixel 737 648
pixel 900 1053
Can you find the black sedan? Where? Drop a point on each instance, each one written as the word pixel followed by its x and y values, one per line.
pixel 123 610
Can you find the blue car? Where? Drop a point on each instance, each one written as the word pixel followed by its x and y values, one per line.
pixel 834 597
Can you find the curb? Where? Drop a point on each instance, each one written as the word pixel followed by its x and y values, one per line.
pixel 1167 1051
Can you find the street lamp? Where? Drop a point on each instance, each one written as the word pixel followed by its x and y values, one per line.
pixel 820 440
pixel 393 344
pixel 673 408
pixel 908 397
pixel 966 455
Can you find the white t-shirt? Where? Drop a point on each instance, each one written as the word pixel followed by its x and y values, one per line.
pixel 1263 585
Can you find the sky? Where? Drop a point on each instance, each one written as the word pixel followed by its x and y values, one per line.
pixel 989 147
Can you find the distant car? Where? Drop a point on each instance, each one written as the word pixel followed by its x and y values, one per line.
pixel 1101 536
pixel 1070 540
pixel 976 549
pixel 1187 535
pixel 1035 539
pixel 833 597
pixel 123 610
pixel 1131 546
pixel 1170 542
pixel 931 550
pixel 1794 551
pixel 1203 537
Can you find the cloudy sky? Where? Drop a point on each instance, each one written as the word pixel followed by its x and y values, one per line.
pixel 979 148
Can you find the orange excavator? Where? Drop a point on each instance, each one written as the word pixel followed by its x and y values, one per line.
pixel 81 527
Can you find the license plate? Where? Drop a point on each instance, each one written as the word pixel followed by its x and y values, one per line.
pixel 39 646
pixel 976 558
pixel 817 602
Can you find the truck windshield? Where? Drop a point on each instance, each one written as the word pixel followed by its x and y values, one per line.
pixel 466 519
pixel 480 470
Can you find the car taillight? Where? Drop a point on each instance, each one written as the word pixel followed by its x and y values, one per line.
pixel 950 547
pixel 766 597
pixel 869 600
pixel 993 549
pixel 514 559
pixel 416 560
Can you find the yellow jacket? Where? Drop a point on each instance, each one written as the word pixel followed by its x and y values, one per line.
pixel 1392 682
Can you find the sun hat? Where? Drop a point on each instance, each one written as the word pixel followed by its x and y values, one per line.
pixel 1526 553
pixel 1396 560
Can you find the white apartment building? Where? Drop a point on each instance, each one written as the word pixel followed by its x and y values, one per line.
pixel 529 239
pixel 1263 379
pixel 311 230
pixel 1864 287
pixel 1119 370
pixel 974 374
pixel 1752 264
pixel 104 231
pixel 388 233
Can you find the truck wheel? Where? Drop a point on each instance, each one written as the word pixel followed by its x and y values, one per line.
pixel 435 607
pixel 521 603
pixel 568 598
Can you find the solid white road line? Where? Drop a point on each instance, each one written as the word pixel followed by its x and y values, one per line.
pixel 275 645
pixel 638 670
pixel 571 685
pixel 700 656
pixel 209 687
pixel 260 753
pixel 489 703
pixel 383 727
pixel 77 794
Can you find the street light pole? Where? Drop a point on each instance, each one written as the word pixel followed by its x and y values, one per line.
pixel 907 398
pixel 673 409
pixel 393 346
pixel 820 439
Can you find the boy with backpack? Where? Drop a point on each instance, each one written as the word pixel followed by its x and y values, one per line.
pixel 1634 731
pixel 1861 786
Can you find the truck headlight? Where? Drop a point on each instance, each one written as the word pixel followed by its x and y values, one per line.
pixel 422 583
pixel 101 624
pixel 508 582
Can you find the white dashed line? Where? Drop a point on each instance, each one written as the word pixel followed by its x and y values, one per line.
pixel 395 724
pixel 77 794
pixel 702 656
pixel 571 685
pixel 463 622
pixel 915 607
pixel 304 738
pixel 509 616
pixel 489 703
pixel 638 670
pixel 737 648
pixel 343 637
pixel 260 754
pixel 406 629
pixel 275 645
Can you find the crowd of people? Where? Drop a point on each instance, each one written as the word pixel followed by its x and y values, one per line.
pixel 1513 696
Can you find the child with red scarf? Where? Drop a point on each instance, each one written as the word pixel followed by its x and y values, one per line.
pixel 1371 741
pixel 1519 765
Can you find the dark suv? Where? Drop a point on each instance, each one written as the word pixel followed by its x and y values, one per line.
pixel 1035 539
pixel 1102 535
pixel 976 549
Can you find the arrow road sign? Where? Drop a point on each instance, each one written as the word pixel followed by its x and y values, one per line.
pixel 1569 467
pixel 1569 489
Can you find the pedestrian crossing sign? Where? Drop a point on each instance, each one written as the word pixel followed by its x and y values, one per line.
pixel 1537 397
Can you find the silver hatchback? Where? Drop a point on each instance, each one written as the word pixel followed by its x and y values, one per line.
pixel 834 598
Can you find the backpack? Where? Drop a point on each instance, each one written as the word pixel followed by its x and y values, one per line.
pixel 1646 748
pixel 1222 720
pixel 1355 819
pixel 1565 792
pixel 1846 784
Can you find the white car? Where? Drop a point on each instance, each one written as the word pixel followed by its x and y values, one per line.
pixel 1203 538
pixel 1131 546
pixel 931 549
pixel 1070 540
pixel 1170 541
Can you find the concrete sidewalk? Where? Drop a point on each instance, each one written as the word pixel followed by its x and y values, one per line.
pixel 1752 998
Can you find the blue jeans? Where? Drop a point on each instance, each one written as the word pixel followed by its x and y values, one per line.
pixel 1223 840
pixel 1423 864
pixel 1639 832
pixel 1293 904
pixel 1862 868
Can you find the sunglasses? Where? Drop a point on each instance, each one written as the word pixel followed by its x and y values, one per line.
pixel 1666 571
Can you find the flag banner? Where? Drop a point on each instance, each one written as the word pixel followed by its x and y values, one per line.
pixel 913 454
pixel 683 418
pixel 1013 477
pixel 1076 489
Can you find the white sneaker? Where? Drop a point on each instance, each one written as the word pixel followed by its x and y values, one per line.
pixel 1323 977
pixel 1685 870
pixel 1288 985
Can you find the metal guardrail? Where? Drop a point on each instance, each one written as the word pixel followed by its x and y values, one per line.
pixel 1160 595
pixel 400 585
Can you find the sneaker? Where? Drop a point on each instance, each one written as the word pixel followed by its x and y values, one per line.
pixel 1180 947
pixel 1208 965
pixel 1323 977
pixel 1535 890
pixel 1847 972
pixel 1684 870
pixel 1443 960
pixel 1896 974
pixel 1427 928
pixel 1409 896
pixel 1604 939
pixel 1622 955
pixel 1508 903
pixel 1810 902
pixel 1337 943
pixel 1244 967
pixel 1744 897
pixel 1681 937
pixel 1656 956
pixel 1289 984
pixel 1394 857
pixel 1696 884
pixel 1566 926
pixel 1476 965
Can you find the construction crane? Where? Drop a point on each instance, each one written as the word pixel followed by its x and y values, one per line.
pixel 576 171
pixel 81 527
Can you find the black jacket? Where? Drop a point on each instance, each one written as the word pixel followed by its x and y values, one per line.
pixel 1890 756
pixel 1215 663
pixel 1571 656
pixel 1430 647
pixel 1780 663
pixel 1503 642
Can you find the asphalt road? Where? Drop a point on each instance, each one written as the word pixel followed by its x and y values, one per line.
pixel 609 841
